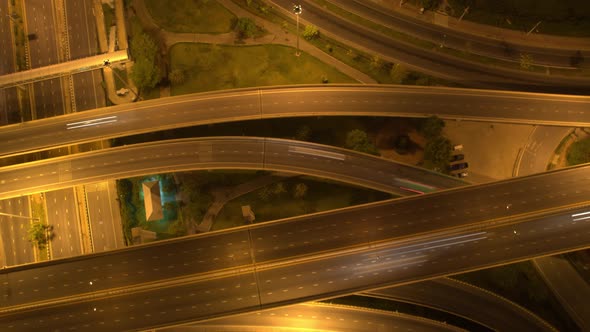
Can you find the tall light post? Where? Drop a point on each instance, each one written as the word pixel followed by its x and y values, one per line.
pixel 297 11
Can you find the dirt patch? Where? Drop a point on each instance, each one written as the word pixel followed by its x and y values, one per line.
pixel 392 130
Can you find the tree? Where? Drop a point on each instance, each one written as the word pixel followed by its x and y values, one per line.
pixel 303 133
pixel 176 76
pixel 437 153
pixel 526 61
pixel 376 62
pixel 265 193
pixel 358 140
pixel 38 234
pixel 245 27
pixel 300 190
pixel 431 127
pixel 398 73
pixel 402 143
pixel 145 72
pixel 311 32
pixel 279 188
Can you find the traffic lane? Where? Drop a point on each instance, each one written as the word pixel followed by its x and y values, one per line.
pixel 9 111
pixel 42 49
pixel 183 111
pixel 155 158
pixel 16 247
pixel 122 268
pixel 49 101
pixel 435 63
pixel 445 103
pixel 380 267
pixel 81 29
pixel 144 116
pixel 327 161
pixel 207 299
pixel 62 214
pixel 399 218
pixel 6 44
pixel 402 217
pixel 458 39
pixel 325 317
pixel 103 210
pixel 465 300
pixel 88 91
pixel 417 259
pixel 152 308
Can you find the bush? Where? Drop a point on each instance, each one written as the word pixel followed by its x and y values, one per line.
pixel 245 27
pixel 579 152
pixel 311 32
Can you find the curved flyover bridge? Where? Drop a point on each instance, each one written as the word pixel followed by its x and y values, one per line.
pixel 324 255
pixel 294 101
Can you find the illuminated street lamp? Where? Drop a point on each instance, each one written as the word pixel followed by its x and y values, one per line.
pixel 297 11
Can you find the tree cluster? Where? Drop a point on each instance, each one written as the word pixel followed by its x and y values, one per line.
pixel 146 71
pixel 358 140
pixel 437 150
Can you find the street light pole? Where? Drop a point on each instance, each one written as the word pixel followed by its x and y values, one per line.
pixel 297 11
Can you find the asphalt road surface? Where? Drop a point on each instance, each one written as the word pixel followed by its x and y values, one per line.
pixel 351 227
pixel 105 220
pixel 221 153
pixel 465 300
pixel 245 104
pixel 548 55
pixel 14 239
pixel 320 316
pixel 62 214
pixel 83 38
pixel 469 73
pixel 247 289
pixel 8 101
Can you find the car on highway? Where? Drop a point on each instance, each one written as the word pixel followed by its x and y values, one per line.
pixel 462 174
pixel 457 157
pixel 459 166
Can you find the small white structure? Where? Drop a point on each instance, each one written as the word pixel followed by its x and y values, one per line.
pixel 247 213
pixel 152 200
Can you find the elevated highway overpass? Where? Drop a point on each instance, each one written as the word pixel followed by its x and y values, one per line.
pixel 359 230
pixel 62 69
pixel 294 101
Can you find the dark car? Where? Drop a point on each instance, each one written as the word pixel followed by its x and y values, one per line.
pixel 457 157
pixel 456 167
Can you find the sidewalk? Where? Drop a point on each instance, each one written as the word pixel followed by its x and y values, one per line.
pixel 488 31
pixel 275 35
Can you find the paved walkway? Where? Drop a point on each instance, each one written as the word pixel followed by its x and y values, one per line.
pixel 488 31
pixel 275 35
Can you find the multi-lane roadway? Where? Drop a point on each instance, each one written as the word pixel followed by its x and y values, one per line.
pixel 275 102
pixel 467 72
pixel 248 270
pixel 221 153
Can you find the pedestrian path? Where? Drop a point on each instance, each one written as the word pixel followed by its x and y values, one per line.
pixel 275 35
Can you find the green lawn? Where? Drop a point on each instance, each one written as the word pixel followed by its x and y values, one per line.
pixel 321 196
pixel 190 16
pixel 579 152
pixel 213 67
